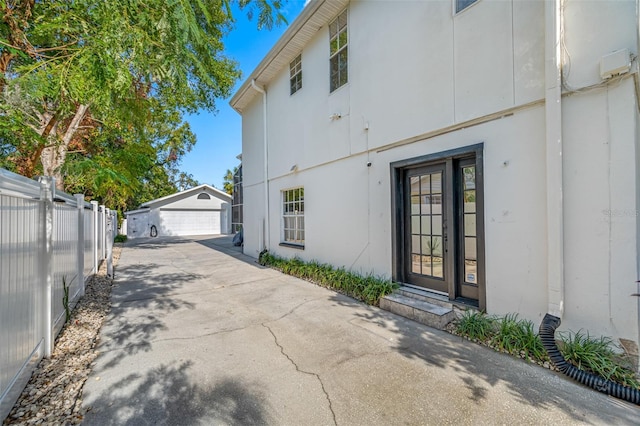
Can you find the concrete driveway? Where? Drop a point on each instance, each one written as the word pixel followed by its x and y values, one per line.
pixel 201 334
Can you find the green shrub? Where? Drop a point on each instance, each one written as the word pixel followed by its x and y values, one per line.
pixel 518 336
pixel 515 336
pixel 120 238
pixel 476 325
pixel 597 356
pixel 370 289
pixel 65 299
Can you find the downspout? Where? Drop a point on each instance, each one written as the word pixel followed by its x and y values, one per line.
pixel 553 121
pixel 636 81
pixel 547 336
pixel 266 162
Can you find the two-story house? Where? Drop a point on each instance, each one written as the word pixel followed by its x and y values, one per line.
pixel 485 151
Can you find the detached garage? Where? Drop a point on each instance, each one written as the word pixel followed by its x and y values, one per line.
pixel 202 210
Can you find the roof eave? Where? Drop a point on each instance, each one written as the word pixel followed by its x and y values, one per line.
pixel 148 204
pixel 243 96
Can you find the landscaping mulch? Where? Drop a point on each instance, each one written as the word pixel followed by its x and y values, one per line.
pixel 53 396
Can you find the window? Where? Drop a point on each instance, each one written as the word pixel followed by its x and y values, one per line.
pixel 463 4
pixel 237 203
pixel 293 216
pixel 204 196
pixel 295 74
pixel 338 55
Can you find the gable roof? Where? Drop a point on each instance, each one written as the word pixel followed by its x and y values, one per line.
pixel 314 16
pixel 186 193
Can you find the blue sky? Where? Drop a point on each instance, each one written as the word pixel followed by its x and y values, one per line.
pixel 220 135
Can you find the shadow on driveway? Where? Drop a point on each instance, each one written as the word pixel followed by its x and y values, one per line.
pixel 167 395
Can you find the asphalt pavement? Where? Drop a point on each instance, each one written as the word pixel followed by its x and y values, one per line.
pixel 200 334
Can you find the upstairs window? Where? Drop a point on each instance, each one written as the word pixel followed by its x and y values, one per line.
pixel 463 4
pixel 204 196
pixel 338 52
pixel 295 74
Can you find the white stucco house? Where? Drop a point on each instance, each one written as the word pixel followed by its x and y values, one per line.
pixel 201 210
pixel 484 151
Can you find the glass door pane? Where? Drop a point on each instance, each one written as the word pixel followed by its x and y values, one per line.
pixel 426 224
pixel 469 224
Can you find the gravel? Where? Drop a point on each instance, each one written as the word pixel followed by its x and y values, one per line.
pixel 53 396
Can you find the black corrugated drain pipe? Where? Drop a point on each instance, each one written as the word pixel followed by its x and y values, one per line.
pixel 547 335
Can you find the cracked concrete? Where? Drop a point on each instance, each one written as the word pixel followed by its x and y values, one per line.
pixel 298 369
pixel 200 334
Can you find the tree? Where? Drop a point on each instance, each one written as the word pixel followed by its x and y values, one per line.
pixel 124 169
pixel 228 180
pixel 83 81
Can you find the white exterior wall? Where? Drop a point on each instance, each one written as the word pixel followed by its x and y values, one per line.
pixel 138 224
pixel 600 223
pixel 413 69
pixel 253 179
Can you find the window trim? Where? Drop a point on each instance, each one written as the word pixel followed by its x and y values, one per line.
pixel 344 48
pixel 297 75
pixel 300 243
pixel 398 170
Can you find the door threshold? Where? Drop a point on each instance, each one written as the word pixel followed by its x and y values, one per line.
pixel 435 293
pixel 465 301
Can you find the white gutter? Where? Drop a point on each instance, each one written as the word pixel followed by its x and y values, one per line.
pixel 553 120
pixel 266 161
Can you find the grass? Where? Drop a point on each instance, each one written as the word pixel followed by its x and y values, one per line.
pixel 476 325
pixel 120 238
pixel 65 300
pixel 517 336
pixel 597 355
pixel 368 288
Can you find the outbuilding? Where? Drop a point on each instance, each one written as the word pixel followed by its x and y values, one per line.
pixel 202 210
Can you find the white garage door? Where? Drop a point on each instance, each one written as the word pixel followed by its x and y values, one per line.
pixel 189 222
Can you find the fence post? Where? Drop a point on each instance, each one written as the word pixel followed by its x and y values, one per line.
pixel 47 186
pixel 109 241
pixel 94 244
pixel 103 232
pixel 80 244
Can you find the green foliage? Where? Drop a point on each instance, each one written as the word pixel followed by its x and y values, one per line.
pixel 65 300
pixel 517 337
pixel 597 355
pixel 120 238
pixel 476 325
pixel 268 12
pixel 227 184
pixel 127 72
pixel 370 289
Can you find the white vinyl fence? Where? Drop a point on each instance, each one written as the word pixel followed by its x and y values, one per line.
pixel 47 239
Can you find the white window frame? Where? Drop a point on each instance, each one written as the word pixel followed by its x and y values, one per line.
pixel 295 75
pixel 337 28
pixel 293 233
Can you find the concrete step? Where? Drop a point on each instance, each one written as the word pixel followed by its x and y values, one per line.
pixel 418 309
pixel 425 296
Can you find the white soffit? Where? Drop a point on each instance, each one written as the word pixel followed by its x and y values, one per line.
pixel 314 16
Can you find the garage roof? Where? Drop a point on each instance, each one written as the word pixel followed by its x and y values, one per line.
pixel 314 16
pixel 186 193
